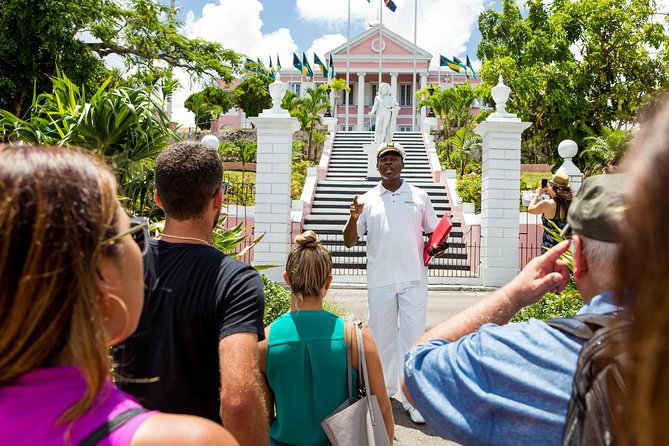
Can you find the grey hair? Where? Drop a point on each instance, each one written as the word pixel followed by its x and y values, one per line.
pixel 601 257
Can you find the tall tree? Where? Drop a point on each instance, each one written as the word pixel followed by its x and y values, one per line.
pixel 574 66
pixel 208 104
pixel 252 95
pixel 38 37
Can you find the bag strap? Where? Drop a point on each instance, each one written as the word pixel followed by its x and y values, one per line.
pixel 348 335
pixel 110 426
pixel 582 326
pixel 362 369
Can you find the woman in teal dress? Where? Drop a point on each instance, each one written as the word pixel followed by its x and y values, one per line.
pixel 303 355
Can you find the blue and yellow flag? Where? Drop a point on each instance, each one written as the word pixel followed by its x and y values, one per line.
pixel 278 64
pixel 306 68
pixel 321 65
pixel 469 65
pixel 459 62
pixel 446 62
pixel 390 5
pixel 332 70
pixel 271 68
pixel 261 67
pixel 297 64
pixel 251 65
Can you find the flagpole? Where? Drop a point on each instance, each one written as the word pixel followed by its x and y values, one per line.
pixel 348 56
pixel 380 43
pixel 413 96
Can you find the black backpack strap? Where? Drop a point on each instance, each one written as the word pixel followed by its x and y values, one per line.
pixel 582 326
pixel 110 426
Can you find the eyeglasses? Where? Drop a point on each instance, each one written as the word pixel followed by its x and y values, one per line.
pixel 224 188
pixel 139 229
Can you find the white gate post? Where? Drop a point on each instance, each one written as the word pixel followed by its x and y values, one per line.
pixel 500 190
pixel 275 128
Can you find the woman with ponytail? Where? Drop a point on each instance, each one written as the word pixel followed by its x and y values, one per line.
pixel 303 355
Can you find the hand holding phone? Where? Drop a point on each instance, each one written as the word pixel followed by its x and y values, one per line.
pixel 544 183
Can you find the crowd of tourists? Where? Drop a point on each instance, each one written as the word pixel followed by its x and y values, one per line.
pixel 193 364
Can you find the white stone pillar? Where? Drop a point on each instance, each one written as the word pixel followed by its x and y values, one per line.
pixel 567 150
pixel 361 101
pixel 275 128
pixel 423 84
pixel 500 191
pixel 393 85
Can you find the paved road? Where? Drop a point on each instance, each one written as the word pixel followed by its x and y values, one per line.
pixel 441 305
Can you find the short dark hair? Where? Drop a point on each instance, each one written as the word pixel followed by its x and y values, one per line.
pixel 187 174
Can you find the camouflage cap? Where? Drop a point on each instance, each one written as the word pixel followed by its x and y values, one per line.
pixel 598 208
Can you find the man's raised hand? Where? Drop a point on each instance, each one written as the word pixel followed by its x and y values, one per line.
pixel 356 208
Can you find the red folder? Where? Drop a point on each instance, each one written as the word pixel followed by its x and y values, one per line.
pixel 439 235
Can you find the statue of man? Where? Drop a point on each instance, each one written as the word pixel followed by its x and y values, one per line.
pixel 386 109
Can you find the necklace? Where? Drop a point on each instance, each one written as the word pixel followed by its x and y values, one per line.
pixel 194 239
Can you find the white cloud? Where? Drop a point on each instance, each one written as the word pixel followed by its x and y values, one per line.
pixel 324 44
pixel 444 26
pixel 237 25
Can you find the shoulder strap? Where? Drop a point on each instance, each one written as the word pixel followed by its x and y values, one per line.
pixel 582 326
pixel 362 369
pixel 110 426
pixel 348 335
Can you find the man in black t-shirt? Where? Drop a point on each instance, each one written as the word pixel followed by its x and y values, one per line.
pixel 195 349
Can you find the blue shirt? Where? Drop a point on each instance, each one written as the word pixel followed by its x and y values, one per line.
pixel 503 384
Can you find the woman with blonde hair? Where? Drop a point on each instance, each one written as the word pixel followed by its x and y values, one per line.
pixel 303 355
pixel 71 285
pixel 553 209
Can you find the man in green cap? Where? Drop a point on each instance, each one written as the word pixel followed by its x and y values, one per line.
pixel 477 379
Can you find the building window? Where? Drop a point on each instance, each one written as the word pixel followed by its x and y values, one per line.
pixel 405 128
pixel 342 127
pixel 295 88
pixel 375 90
pixel 405 95
pixel 342 97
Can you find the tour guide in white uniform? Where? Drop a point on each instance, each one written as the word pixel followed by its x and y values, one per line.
pixel 394 214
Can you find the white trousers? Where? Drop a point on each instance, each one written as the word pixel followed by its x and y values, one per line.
pixel 397 318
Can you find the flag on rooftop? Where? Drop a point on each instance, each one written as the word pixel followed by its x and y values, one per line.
pixel 306 68
pixel 296 63
pixel 469 65
pixel 278 64
pixel 390 4
pixel 446 62
pixel 321 65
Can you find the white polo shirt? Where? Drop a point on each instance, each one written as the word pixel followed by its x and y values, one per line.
pixel 394 223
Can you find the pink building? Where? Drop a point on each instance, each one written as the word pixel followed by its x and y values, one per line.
pixel 394 64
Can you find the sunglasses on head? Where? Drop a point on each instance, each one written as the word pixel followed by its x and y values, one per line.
pixel 224 188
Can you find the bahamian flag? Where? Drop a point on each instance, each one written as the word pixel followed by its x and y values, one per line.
pixel 332 70
pixel 390 5
pixel 469 65
pixel 321 65
pixel 271 68
pixel 251 65
pixel 459 62
pixel 278 64
pixel 261 67
pixel 446 62
pixel 297 64
pixel 306 68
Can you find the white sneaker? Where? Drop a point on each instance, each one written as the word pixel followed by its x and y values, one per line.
pixel 415 416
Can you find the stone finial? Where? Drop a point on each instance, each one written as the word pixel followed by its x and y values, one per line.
pixel 567 148
pixel 277 90
pixel 500 94
pixel 210 141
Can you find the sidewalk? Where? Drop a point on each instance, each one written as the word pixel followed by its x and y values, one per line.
pixel 441 305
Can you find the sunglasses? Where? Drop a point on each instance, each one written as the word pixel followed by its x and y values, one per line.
pixel 224 188
pixel 139 229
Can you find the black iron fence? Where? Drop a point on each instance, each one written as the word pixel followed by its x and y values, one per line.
pixel 239 196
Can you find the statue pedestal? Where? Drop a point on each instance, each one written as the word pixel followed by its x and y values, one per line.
pixel 372 171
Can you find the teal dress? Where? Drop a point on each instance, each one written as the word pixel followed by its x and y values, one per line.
pixel 306 370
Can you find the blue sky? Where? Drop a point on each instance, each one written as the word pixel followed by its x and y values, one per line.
pixel 260 28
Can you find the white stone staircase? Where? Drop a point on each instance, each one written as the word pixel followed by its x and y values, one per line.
pixel 346 177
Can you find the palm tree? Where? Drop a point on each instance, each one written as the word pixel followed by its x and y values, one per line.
pixel 306 111
pixel 463 142
pixel 605 150
pixel 337 84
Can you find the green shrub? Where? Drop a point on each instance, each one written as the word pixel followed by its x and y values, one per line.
pixel 553 305
pixel 299 176
pixel 277 300
pixel 469 189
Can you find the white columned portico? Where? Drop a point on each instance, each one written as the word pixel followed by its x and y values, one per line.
pixel 361 101
pixel 423 84
pixel 275 128
pixel 393 84
pixel 500 189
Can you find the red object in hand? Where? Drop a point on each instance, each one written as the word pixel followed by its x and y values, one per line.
pixel 438 236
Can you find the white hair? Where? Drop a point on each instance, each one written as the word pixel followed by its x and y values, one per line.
pixel 601 257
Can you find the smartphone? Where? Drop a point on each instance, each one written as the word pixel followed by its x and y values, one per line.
pixel 544 183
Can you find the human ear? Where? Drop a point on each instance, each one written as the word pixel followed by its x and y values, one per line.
pixel 580 261
pixel 114 311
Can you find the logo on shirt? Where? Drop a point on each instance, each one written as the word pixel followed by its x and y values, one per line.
pixel 410 201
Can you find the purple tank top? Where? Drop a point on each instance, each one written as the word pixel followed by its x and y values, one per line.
pixel 32 404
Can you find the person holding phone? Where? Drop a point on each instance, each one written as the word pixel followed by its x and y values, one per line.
pixel 554 209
